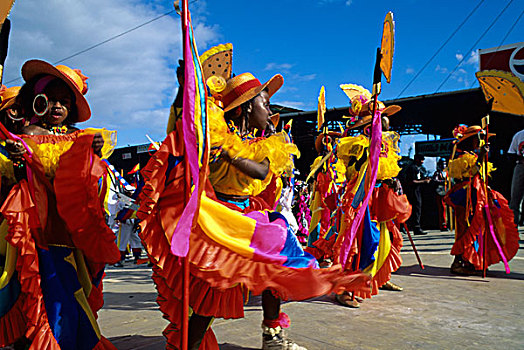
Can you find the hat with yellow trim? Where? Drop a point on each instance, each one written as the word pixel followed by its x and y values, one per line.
pixel 361 106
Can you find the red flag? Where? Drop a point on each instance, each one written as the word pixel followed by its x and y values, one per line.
pixel 134 170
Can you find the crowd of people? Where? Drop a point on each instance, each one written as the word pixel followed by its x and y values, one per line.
pixel 258 229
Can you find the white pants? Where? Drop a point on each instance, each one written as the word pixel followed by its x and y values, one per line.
pixel 126 235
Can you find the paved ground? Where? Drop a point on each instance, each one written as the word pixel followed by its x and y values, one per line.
pixel 436 310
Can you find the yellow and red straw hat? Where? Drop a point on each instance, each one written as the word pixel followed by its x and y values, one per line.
pixel 244 87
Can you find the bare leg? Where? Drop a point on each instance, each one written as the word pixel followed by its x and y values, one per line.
pixel 197 328
pixel 270 305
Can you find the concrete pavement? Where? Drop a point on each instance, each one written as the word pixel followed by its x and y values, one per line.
pixel 436 310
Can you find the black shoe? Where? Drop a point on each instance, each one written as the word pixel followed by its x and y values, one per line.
pixel 119 264
pixel 419 232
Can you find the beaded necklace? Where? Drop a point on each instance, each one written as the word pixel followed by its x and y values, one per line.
pixel 56 130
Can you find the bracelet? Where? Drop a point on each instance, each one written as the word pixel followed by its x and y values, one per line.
pixel 18 164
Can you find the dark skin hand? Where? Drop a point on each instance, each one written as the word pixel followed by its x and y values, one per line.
pixel 15 149
pixel 483 151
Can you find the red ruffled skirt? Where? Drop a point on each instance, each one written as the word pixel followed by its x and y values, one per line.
pixel 216 272
pixel 467 237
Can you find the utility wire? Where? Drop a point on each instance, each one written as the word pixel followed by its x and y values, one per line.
pixel 501 42
pixel 105 41
pixel 474 45
pixel 441 47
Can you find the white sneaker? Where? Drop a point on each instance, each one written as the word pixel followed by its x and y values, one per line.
pixel 275 339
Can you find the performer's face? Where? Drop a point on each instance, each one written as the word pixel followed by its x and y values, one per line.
pixel 60 101
pixel 385 123
pixel 259 114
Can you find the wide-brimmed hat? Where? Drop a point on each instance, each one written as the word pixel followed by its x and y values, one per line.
pixel 72 77
pixel 244 87
pixel 7 96
pixel 361 105
pixel 463 132
pixel 363 121
pixel 319 142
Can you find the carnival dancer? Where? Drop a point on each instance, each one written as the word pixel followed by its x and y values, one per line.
pixel 12 319
pixel 376 248
pixel 53 214
pixel 470 197
pixel 11 115
pixel 302 211
pixel 230 251
pixel 330 174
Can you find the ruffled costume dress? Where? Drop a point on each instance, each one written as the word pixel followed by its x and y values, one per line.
pixel 327 192
pixel 230 251
pixel 55 244
pixel 376 248
pixel 468 197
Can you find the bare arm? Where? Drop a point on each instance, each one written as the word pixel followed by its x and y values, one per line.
pixel 249 167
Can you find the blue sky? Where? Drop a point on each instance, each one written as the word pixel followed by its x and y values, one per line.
pixel 311 43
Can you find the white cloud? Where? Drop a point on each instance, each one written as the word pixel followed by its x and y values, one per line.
pixel 305 77
pixel 440 69
pixel 473 58
pixel 131 79
pixel 410 70
pixel 278 66
pixel 349 2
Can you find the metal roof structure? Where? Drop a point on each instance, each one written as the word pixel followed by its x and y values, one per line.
pixel 433 114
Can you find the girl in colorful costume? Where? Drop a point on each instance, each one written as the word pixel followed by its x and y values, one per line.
pixel 376 247
pixel 477 207
pixel 330 176
pixel 232 248
pixel 328 189
pixel 54 226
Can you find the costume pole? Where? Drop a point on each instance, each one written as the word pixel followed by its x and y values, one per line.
pixel 185 260
pixel 413 246
pixel 377 75
pixel 486 206
pixel 4 39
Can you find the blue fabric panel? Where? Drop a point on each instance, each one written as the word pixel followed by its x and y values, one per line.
pixel 9 294
pixel 359 195
pixel 296 257
pixel 69 323
pixel 370 239
pixel 242 205
pixel 313 236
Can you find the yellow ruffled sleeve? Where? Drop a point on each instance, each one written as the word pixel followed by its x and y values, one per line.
pixel 466 166
pixel 228 179
pixel 389 156
pixel 6 169
pixel 109 137
pixel 351 147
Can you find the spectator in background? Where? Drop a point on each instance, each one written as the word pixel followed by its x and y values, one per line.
pixel 516 154
pixel 415 178
pixel 439 179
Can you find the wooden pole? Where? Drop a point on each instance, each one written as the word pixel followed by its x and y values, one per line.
pixel 413 246
pixel 486 206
